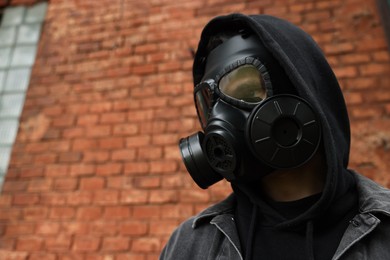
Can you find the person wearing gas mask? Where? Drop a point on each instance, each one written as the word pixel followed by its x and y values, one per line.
pixel 275 125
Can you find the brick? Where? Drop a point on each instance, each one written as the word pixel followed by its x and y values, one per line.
pixel 172 112
pixel 62 213
pixel 381 56
pixel 125 129
pixel 146 244
pixel 63 121
pixel 98 131
pixel 123 154
pixel 42 255
pixel 25 199
pixel 361 82
pixel 106 197
pixel 165 139
pixel 163 227
pixel 353 98
pixel 175 181
pixel 104 228
pixel 355 58
pixel 85 244
pixel 154 102
pixel 169 66
pixel 35 213
pixel 163 196
pixel 163 166
pixel 346 72
pixel 375 69
pixel 119 182
pixel 19 229
pixel 58 243
pixel 112 143
pixel 47 228
pixel 177 211
pixel 84 144
pixel 89 213
pixel 362 112
pixel 114 244
pixel 31 172
pixel 87 120
pixel 117 212
pixel 149 153
pixel 146 48
pixel 134 196
pixel 109 169
pixel 53 199
pixel 339 48
pixel 12 255
pixel 147 182
pixel 136 168
pixel 82 169
pixel 75 228
pixel 138 141
pixel 144 69
pixel 71 133
pixel 29 243
pixel 315 16
pixel 13 186
pixel 56 170
pixel 131 256
pixel 39 185
pixel 110 118
pixel 44 159
pixel 5 200
pixel 63 184
pixel 93 183
pixel 96 156
pixel 133 228
pixel 79 197
pixel 172 152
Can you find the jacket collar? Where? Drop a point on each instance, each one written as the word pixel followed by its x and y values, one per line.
pixel 373 198
pixel 224 207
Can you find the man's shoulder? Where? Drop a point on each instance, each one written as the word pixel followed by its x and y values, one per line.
pixel 373 197
pixel 196 231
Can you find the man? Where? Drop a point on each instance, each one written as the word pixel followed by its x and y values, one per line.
pixel 276 126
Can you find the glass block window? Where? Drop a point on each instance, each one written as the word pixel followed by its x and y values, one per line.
pixel 20 29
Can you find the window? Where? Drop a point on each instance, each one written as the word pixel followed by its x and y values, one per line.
pixel 20 29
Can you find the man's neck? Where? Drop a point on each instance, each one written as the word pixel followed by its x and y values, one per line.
pixel 295 184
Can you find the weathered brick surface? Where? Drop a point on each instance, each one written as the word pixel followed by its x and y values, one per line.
pixel 96 172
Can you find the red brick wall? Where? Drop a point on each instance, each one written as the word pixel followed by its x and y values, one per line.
pixel 96 172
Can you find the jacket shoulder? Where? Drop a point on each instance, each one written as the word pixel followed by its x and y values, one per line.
pixel 187 242
pixel 194 238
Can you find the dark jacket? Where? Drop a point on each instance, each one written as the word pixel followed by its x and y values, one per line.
pixel 212 234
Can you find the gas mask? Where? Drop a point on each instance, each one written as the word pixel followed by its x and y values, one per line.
pixel 253 120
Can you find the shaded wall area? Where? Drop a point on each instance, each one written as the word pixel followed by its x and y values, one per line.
pixel 95 171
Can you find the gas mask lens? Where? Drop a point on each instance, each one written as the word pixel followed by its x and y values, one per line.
pixel 244 83
pixel 204 100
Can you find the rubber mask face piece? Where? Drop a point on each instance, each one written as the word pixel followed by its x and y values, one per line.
pixel 248 131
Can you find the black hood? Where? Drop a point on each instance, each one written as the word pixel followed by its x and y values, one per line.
pixel 312 77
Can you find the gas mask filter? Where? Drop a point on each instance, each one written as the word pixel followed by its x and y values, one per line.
pixel 248 130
